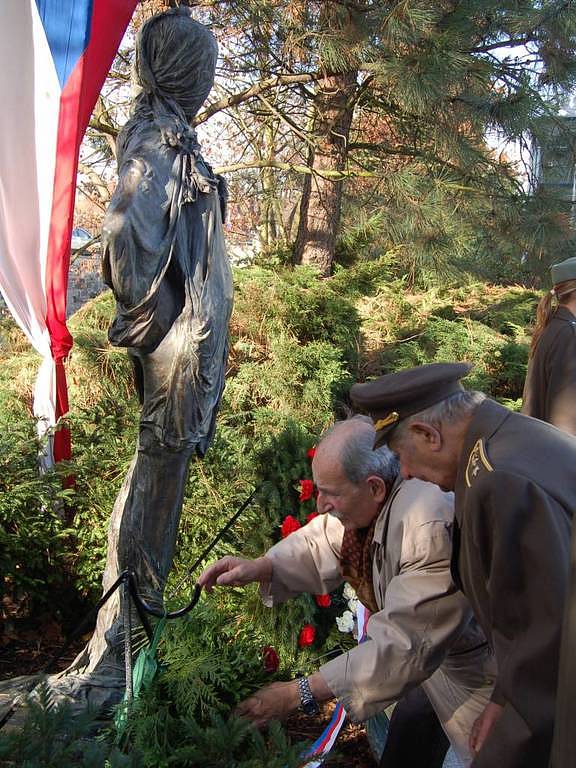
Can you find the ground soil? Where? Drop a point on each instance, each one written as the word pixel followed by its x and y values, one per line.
pixel 27 646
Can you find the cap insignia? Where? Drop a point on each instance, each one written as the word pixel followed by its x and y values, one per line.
pixel 476 460
pixel 392 418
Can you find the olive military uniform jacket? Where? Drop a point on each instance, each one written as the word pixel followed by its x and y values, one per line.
pixel 550 388
pixel 515 494
pixel 423 617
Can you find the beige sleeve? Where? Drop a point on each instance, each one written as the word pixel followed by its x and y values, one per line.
pixel 305 561
pixel 422 616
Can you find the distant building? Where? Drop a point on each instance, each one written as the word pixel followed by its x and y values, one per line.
pixel 554 168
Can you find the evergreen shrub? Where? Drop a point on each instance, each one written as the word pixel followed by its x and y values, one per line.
pixel 33 531
pixel 294 303
pixel 365 278
pixel 485 325
pixel 52 737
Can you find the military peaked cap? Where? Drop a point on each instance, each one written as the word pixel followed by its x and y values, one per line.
pixel 392 398
pixel 564 270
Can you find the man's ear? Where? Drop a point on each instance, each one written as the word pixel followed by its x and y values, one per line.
pixel 377 488
pixel 427 434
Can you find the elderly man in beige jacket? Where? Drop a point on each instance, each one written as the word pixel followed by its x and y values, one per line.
pixel 391 539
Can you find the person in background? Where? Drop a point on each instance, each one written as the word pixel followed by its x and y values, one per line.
pixel 391 540
pixel 550 388
pixel 550 395
pixel 515 496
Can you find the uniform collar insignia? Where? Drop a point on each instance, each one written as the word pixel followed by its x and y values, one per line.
pixel 476 460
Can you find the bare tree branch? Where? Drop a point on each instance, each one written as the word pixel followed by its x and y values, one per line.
pixel 297 168
pixel 254 90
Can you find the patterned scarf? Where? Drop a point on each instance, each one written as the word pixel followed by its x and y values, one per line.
pixel 356 563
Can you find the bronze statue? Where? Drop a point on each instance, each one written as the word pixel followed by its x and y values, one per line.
pixel 165 260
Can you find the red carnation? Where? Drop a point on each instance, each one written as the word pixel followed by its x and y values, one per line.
pixel 306 490
pixel 289 525
pixel 270 659
pixel 311 452
pixel 307 635
pixel 311 516
pixel 323 600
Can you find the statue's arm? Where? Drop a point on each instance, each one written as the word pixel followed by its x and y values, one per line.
pixel 134 227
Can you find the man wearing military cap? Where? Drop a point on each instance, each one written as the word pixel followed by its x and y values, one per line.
pixel 513 478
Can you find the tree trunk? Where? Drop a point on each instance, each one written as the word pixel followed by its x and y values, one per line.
pixel 267 228
pixel 322 196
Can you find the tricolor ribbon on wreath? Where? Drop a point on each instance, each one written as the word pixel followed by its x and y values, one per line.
pixel 324 743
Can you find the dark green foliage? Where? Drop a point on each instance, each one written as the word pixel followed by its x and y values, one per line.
pixel 484 325
pixel 295 379
pixel 51 737
pixel 213 657
pixel 297 304
pixel 507 369
pixel 365 278
pixel 49 536
pixel 293 337
pixel 282 464
pixel 104 440
pixel 496 372
pixel 33 530
pixel 517 310
pixel 212 661
pixel 98 370
pixel 443 340
pixel 218 742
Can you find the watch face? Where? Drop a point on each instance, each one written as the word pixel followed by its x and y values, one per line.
pixel 310 707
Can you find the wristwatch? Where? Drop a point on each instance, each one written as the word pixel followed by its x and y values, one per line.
pixel 308 703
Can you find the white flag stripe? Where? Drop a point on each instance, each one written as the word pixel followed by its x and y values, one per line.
pixel 28 136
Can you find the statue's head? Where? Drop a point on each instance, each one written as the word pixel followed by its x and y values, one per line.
pixel 176 60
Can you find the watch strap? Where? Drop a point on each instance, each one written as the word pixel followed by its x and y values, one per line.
pixel 308 703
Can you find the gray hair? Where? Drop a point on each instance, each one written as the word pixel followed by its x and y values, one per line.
pixel 452 409
pixel 359 459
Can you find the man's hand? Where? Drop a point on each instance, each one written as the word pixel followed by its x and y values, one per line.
pixel 483 725
pixel 277 700
pixel 235 572
pixel 273 702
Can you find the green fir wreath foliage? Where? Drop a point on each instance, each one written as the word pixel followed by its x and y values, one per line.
pixel 211 660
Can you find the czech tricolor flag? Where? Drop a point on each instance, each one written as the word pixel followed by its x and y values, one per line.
pixel 54 57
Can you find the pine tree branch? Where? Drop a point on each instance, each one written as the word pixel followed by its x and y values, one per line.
pixel 510 43
pixel 530 35
pixel 434 160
